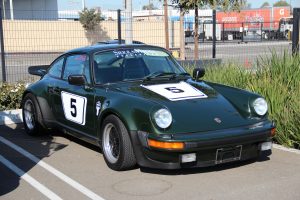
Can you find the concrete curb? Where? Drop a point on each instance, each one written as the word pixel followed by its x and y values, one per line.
pixel 11 117
pixel 280 147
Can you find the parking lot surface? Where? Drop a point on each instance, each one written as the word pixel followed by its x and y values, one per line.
pixel 58 166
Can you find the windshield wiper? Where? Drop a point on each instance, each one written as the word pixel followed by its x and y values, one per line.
pixel 166 75
pixel 159 74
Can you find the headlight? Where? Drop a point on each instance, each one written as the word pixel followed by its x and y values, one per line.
pixel 163 118
pixel 260 106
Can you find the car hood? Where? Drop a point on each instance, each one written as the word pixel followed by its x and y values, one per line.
pixel 211 111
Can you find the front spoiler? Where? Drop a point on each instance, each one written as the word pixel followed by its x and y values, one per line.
pixel 205 149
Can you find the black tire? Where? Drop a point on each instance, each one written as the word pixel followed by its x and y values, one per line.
pixel 32 124
pixel 116 145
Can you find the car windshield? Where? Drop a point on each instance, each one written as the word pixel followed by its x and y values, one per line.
pixel 134 64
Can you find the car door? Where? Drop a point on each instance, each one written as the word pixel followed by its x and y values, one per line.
pixel 74 105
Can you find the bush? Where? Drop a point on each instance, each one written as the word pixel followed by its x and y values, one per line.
pixel 278 80
pixel 11 95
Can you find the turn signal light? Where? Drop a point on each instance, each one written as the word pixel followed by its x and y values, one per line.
pixel 273 132
pixel 165 145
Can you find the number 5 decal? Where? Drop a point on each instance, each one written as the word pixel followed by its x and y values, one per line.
pixel 74 107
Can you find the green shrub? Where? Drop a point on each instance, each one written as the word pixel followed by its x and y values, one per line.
pixel 11 95
pixel 276 78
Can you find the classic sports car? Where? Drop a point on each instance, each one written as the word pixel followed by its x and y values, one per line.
pixel 141 107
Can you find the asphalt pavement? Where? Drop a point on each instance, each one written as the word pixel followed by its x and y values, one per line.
pixel 58 166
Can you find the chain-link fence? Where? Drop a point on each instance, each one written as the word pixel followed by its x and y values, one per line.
pixel 37 38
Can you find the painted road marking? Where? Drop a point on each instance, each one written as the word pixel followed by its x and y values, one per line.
pixel 52 170
pixel 37 185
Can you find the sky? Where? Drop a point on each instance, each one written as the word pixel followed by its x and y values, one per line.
pixel 138 4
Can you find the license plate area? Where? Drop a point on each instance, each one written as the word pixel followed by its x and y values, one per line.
pixel 229 154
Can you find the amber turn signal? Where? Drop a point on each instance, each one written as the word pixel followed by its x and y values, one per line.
pixel 165 145
pixel 273 132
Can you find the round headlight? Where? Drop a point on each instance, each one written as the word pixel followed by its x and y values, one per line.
pixel 260 106
pixel 163 118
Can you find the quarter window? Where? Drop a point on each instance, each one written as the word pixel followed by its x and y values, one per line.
pixel 56 68
pixel 77 65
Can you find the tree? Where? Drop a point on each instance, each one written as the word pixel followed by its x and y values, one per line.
pixel 281 3
pixel 89 18
pixel 226 5
pixel 265 4
pixel 149 7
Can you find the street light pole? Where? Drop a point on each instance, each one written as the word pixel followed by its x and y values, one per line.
pixel 128 26
pixel 166 19
pixel 83 4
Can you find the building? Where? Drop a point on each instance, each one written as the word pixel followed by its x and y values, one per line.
pixel 30 9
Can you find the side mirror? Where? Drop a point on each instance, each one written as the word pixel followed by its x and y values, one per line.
pixel 198 73
pixel 77 80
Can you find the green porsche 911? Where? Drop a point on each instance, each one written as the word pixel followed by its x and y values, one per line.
pixel 142 108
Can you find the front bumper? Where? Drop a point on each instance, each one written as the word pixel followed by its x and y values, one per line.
pixel 204 147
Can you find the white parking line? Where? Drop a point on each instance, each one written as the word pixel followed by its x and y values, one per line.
pixel 37 185
pixel 52 170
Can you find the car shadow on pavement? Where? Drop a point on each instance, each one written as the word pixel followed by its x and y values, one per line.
pixel 39 146
pixel 187 171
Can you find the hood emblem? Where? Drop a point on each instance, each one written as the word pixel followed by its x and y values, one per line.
pixel 218 120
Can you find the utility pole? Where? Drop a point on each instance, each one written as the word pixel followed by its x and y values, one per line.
pixel 128 22
pixel 11 9
pixel 83 4
pixel 166 19
pixel 182 36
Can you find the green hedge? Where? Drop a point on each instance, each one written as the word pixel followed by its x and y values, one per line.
pixel 277 79
pixel 11 95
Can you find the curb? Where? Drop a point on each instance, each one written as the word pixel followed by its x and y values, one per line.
pixel 282 148
pixel 11 117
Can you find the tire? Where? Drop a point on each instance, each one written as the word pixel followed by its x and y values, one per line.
pixel 116 145
pixel 32 116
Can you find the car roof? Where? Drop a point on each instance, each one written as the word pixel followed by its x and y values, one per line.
pixel 116 41
pixel 100 47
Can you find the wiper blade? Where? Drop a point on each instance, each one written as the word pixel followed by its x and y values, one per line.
pixel 181 75
pixel 159 74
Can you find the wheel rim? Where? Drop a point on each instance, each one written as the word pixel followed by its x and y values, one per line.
pixel 111 143
pixel 29 114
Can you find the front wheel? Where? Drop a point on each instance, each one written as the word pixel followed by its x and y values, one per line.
pixel 116 145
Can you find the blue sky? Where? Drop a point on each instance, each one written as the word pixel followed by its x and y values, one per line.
pixel 137 4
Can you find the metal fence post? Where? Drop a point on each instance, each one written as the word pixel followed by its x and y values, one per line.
pixel 242 31
pixel 119 27
pixel 223 31
pixel 203 31
pixel 214 34
pixel 261 31
pixel 295 39
pixel 2 48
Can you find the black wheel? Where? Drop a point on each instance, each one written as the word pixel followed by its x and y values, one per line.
pixel 31 115
pixel 116 145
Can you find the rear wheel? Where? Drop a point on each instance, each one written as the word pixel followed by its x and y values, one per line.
pixel 116 145
pixel 31 115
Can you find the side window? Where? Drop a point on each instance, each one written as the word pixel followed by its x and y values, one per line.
pixel 77 65
pixel 56 68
